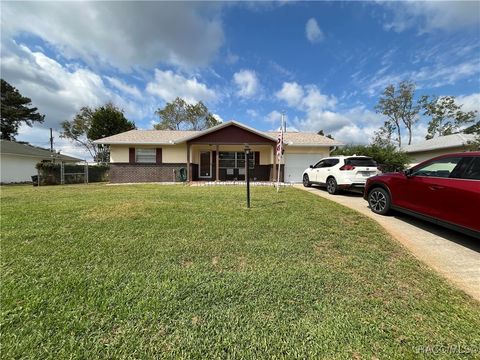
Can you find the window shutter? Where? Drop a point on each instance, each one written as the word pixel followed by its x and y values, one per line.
pixel 257 157
pixel 159 156
pixel 131 155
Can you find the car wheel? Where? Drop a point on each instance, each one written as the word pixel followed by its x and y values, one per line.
pixel 379 201
pixel 306 181
pixel 332 186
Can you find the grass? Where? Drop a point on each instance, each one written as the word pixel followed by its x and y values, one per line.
pixel 178 272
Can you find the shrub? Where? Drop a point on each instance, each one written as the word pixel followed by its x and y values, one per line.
pixel 388 158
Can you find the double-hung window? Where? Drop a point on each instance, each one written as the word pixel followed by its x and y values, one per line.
pixel 146 156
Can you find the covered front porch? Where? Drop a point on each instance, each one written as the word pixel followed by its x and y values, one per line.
pixel 219 155
pixel 228 162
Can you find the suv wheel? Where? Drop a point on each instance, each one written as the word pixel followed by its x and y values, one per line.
pixel 332 186
pixel 379 201
pixel 306 181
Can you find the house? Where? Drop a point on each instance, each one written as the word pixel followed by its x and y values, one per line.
pixel 18 161
pixel 208 155
pixel 437 146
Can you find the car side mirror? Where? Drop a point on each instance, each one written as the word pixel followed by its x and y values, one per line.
pixel 408 173
pixel 311 166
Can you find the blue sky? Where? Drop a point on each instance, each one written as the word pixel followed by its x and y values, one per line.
pixel 323 63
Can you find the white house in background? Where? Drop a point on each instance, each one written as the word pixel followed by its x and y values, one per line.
pixel 18 161
pixel 437 146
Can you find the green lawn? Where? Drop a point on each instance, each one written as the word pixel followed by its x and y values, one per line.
pixel 153 271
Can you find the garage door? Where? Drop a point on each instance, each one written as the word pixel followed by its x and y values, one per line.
pixel 295 165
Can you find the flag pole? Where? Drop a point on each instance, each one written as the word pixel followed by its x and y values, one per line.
pixel 279 153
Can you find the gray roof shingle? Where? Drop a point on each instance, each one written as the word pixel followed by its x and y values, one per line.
pixel 441 142
pixel 14 148
pixel 170 137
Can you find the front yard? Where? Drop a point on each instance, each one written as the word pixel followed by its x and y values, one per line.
pixel 153 271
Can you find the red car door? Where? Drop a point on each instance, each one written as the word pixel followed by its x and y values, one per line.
pixel 428 190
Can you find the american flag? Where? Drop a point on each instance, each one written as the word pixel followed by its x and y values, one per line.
pixel 279 149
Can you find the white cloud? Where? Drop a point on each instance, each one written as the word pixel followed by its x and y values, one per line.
pixel 291 92
pixel 470 102
pixel 122 34
pixel 434 76
pixel 167 86
pixel 355 125
pixel 60 91
pixel 274 117
pixel 429 16
pixel 218 118
pixel 305 98
pixel 313 32
pixel 252 113
pixel 247 83
pixel 123 87
pixel 56 90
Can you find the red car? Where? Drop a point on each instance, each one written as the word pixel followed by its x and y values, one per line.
pixel 444 190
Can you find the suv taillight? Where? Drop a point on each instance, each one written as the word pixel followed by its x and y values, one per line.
pixel 347 167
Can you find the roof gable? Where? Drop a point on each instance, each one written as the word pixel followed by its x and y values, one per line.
pixel 231 133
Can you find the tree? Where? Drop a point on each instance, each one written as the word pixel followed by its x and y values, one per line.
pixel 446 115
pixel 399 108
pixel 409 110
pixel 475 143
pixel 320 132
pixel 16 109
pixel 383 136
pixel 93 124
pixel 389 158
pixel 180 115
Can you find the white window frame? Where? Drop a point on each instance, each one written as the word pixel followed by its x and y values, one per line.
pixel 153 151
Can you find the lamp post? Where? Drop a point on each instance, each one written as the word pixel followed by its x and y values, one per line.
pixel 247 173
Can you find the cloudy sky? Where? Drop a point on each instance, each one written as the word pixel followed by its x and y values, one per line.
pixel 324 64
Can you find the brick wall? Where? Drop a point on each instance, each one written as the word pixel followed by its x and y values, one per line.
pixel 126 173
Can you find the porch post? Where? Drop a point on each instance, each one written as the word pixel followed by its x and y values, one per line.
pixel 217 162
pixel 274 170
pixel 189 172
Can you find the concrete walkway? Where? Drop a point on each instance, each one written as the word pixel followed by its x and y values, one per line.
pixel 453 255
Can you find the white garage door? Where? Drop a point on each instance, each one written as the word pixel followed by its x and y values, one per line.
pixel 295 165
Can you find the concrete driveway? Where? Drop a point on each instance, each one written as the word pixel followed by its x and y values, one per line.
pixel 454 255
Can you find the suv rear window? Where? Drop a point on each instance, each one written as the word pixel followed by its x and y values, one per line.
pixel 360 161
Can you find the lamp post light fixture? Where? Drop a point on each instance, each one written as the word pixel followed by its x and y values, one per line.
pixel 247 173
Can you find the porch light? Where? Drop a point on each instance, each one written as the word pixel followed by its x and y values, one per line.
pixel 247 173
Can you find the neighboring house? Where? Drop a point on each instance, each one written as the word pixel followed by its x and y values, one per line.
pixel 437 146
pixel 215 153
pixel 18 161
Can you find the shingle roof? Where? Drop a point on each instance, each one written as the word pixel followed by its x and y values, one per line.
pixel 170 137
pixel 305 138
pixel 14 148
pixel 441 142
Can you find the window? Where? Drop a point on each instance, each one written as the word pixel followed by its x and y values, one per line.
pixel 331 162
pixel 473 171
pixel 320 164
pixel 438 168
pixel 232 159
pixel 361 162
pixel 146 155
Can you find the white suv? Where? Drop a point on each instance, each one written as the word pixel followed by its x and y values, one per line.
pixel 341 172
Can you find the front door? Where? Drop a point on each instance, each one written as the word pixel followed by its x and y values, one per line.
pixel 205 168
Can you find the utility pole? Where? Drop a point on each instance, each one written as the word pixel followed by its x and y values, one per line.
pixel 51 140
